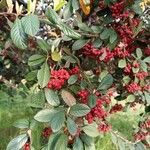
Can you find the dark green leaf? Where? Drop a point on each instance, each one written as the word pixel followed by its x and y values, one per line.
pixel 92 100
pixel 53 140
pixel 31 24
pixel 106 82
pixel 57 121
pixel 61 142
pixel 71 126
pixel 18 142
pixel 45 115
pixel 78 145
pixel 84 27
pixel 105 34
pixel 17 35
pixel 68 10
pixel 69 31
pixel 88 140
pixel 79 110
pixel 72 79
pixel 42 44
pixel 97 43
pixel 79 44
pixel 52 16
pixel 52 97
pixel 36 60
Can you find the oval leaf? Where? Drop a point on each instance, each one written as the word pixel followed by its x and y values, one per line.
pixel 43 75
pixel 72 127
pixel 36 60
pixel 45 115
pixel 31 24
pixel 51 97
pixel 17 35
pixel 68 98
pixel 79 110
pixel 18 142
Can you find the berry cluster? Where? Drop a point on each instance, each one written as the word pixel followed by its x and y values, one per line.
pixel 97 112
pixel 83 95
pixel 103 127
pixel 118 12
pixel 120 52
pixel 141 75
pixel 58 78
pixel 90 51
pixel 74 70
pixel 46 132
pixel 133 87
pixel 116 108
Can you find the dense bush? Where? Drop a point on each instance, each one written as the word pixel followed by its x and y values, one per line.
pixel 74 64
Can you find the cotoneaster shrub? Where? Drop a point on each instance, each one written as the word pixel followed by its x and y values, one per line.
pixel 87 60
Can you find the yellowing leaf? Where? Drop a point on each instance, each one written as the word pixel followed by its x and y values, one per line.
pixel 58 4
pixel 31 6
pixel 18 8
pixel 85 8
pixel 10 5
pixel 56 56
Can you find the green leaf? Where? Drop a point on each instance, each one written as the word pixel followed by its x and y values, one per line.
pixel 96 29
pixel 52 16
pixel 31 24
pixel 78 144
pixel 139 53
pixel 84 27
pixel 45 115
pixel 69 31
pixel 36 100
pixel 105 34
pixel 75 5
pixel 71 126
pixel 88 140
pixel 21 123
pixel 57 121
pixel 31 75
pixel 79 44
pixel 68 98
pixel 92 100
pixel 144 66
pixel 43 75
pixel 147 60
pixel 147 97
pixel 61 142
pixel 91 130
pixel 140 146
pixel 79 110
pixel 42 44
pixel 106 82
pixel 68 10
pixel 17 35
pixel 72 79
pixel 53 141
pixel 97 43
pixel 122 63
pixel 18 142
pixel 52 97
pixel 36 60
pixel 113 36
